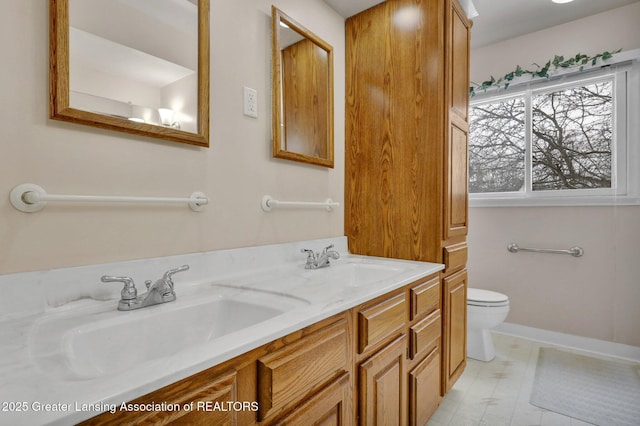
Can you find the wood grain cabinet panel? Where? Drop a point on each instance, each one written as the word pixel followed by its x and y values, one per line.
pixel 456 174
pixel 424 389
pixel 382 386
pixel 459 51
pixel 406 144
pixel 454 328
pixel 394 131
pixel 455 257
pixel 204 390
pixel 456 207
pixel 329 407
pixel 425 297
pixel 425 335
pixel 380 321
pixel 287 375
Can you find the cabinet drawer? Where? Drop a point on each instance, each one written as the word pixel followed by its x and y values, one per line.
pixel 330 406
pixel 379 321
pixel 425 335
pixel 425 297
pixel 455 257
pixel 207 387
pixel 289 374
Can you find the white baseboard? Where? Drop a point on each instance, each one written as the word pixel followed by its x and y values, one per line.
pixel 586 344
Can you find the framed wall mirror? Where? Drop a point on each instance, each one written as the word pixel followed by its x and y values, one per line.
pixel 302 93
pixel 136 66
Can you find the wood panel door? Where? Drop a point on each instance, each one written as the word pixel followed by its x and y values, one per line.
pixel 456 165
pixel 382 386
pixel 424 389
pixel 454 333
pixel 459 47
pixel 456 177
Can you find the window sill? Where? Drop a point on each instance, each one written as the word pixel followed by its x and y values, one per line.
pixel 612 200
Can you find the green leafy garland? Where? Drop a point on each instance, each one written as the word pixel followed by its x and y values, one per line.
pixel 557 62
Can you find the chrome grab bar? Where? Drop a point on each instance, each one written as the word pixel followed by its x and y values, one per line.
pixel 573 251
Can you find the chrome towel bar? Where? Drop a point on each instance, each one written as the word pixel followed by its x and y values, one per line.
pixel 30 198
pixel 573 251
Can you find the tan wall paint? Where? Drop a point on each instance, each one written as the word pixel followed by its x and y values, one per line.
pixel 607 31
pixel 235 172
pixel 594 296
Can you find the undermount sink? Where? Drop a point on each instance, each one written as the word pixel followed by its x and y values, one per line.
pixel 95 344
pixel 347 272
pixel 94 340
pixel 354 273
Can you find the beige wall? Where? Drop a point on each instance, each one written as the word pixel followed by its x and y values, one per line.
pixel 608 31
pixel 235 172
pixel 594 296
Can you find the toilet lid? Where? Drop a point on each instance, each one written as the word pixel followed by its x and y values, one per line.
pixel 480 297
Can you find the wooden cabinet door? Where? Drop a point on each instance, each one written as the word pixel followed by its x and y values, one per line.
pixel 456 172
pixel 456 177
pixel 458 28
pixel 382 386
pixel 454 333
pixel 424 389
pixel 329 407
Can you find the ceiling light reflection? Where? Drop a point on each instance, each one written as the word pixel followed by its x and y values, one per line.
pixel 407 18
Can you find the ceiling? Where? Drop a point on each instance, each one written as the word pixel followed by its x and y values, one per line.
pixel 500 20
pixel 348 8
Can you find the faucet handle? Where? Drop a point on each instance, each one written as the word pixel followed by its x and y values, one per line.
pixel 311 255
pixel 128 292
pixel 171 272
pixel 327 248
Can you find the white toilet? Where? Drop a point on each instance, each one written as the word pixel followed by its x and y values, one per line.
pixel 485 310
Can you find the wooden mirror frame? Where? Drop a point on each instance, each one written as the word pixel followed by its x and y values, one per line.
pixel 278 16
pixel 59 105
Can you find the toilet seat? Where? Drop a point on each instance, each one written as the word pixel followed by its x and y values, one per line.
pixel 481 297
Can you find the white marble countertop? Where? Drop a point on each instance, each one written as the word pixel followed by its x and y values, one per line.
pixel 36 298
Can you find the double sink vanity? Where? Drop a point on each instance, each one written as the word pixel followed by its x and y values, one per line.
pixel 252 328
pixel 251 336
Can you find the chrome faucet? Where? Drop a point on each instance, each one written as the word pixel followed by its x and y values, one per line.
pixel 160 292
pixel 320 260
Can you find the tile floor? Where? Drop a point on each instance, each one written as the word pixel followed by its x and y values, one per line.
pixel 497 393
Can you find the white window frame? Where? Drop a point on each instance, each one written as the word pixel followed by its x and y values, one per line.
pixel 625 70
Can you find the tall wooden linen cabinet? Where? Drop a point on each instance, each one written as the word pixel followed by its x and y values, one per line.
pixel 407 78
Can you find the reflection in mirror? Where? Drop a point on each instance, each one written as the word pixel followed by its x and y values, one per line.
pixel 302 93
pixel 138 66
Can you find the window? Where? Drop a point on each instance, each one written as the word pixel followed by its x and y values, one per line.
pixel 497 146
pixel 562 141
pixel 572 137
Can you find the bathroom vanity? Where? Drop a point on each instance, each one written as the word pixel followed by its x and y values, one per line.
pixel 379 360
pixel 252 338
